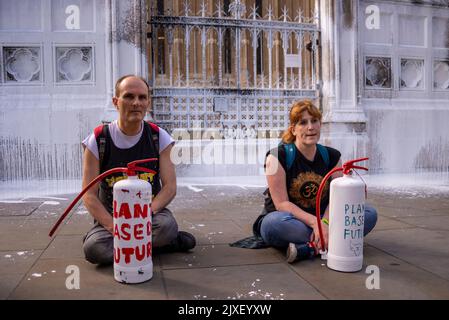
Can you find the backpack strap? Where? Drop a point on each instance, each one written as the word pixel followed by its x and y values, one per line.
pixel 290 151
pixel 100 136
pixel 154 132
pixel 324 154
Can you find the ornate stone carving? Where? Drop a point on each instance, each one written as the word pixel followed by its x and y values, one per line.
pixel 441 75
pixel 378 72
pixel 74 64
pixel 22 64
pixel 412 73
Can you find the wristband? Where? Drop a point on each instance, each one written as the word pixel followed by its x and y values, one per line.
pixel 325 221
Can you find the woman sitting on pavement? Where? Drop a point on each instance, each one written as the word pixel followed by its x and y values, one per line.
pixel 290 220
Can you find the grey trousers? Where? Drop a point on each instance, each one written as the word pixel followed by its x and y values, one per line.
pixel 98 243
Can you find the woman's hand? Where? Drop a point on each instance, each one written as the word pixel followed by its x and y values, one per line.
pixel 315 236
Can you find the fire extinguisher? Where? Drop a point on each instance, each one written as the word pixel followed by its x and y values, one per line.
pixel 346 219
pixel 132 223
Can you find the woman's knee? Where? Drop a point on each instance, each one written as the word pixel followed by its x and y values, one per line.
pixel 272 222
pixel 281 228
pixel 370 219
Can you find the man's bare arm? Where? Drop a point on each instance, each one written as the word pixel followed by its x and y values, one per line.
pixel 168 179
pixel 91 169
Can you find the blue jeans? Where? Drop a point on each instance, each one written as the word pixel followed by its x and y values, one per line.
pixel 279 228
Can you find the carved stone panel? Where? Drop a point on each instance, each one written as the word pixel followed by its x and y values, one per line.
pixel 378 72
pixel 441 75
pixel 412 74
pixel 22 65
pixel 74 64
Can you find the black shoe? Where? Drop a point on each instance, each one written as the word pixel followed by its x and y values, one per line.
pixel 182 243
pixel 296 252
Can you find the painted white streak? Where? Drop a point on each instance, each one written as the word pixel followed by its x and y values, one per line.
pixel 194 189
pixel 51 203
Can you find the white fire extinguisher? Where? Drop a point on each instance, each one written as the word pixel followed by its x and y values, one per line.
pixel 132 226
pixel 346 219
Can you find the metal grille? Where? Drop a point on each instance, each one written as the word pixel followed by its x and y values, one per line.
pixel 232 71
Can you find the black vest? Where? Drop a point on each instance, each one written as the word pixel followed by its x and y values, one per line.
pixel 115 157
pixel 303 179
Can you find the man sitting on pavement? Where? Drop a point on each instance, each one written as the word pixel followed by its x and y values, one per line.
pixel 114 145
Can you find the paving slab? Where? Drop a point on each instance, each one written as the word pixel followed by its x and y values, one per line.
pixel 408 245
pixel 18 262
pixel 397 279
pixel 8 283
pixel 246 223
pixel 425 249
pixel 13 267
pixel 47 280
pixel 218 255
pixel 431 223
pixel 386 223
pixel 416 202
pixel 262 282
pixel 197 214
pixel 65 247
pixel 37 207
pixel 79 223
pixel 18 208
pixel 213 232
pixel 25 234
pixel 401 212
pixel 52 208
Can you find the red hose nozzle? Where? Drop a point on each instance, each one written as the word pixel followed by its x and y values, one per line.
pixel 348 165
pixel 132 166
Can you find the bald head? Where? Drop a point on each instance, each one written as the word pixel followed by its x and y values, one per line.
pixel 120 81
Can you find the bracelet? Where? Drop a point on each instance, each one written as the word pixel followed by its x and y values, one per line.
pixel 325 221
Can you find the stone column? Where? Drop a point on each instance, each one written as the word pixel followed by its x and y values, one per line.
pixel 244 59
pixel 127 51
pixel 177 46
pixel 344 121
pixel 211 43
pixel 277 48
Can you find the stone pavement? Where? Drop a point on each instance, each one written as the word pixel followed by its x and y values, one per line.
pixel 409 246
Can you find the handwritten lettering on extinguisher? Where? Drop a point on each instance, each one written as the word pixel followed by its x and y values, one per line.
pixel 127 231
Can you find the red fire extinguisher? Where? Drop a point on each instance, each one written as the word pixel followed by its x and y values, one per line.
pixel 132 223
pixel 346 219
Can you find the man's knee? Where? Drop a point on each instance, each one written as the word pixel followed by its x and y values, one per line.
pixel 98 247
pixel 165 228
